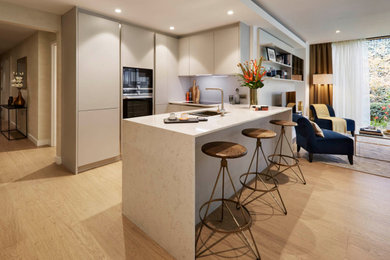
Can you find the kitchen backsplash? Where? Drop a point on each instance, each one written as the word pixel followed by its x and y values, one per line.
pixel 227 83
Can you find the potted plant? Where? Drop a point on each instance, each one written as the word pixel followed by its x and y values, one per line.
pixel 252 77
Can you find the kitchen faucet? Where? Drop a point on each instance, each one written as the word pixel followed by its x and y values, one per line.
pixel 222 106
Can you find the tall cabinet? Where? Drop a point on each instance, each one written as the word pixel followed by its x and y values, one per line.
pixel 91 90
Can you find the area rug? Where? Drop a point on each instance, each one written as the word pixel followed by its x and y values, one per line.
pixel 377 166
pixel 370 166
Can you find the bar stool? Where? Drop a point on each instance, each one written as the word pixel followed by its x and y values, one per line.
pixel 222 214
pixel 260 134
pixel 294 162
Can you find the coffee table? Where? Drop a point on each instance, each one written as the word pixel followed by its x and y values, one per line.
pixel 385 141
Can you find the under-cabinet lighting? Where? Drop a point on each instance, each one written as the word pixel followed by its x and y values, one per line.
pixel 172 28
pixel 118 11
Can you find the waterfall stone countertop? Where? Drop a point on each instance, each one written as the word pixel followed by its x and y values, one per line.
pixel 236 115
pixel 166 177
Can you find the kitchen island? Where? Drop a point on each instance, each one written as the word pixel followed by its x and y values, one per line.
pixel 166 177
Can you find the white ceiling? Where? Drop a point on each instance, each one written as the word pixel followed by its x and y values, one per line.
pixel 187 16
pixel 317 20
pixel 11 35
pixel 313 20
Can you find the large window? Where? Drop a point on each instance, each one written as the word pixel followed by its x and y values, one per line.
pixel 379 72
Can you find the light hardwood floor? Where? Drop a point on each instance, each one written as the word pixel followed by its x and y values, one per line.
pixel 48 213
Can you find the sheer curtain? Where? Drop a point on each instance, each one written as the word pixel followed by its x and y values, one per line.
pixel 351 90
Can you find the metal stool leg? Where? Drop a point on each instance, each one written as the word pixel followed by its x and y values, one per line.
pixel 252 246
pixel 283 157
pixel 258 178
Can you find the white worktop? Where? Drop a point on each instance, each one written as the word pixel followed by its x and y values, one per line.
pixel 237 114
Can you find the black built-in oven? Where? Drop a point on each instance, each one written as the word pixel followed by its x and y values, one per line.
pixel 137 92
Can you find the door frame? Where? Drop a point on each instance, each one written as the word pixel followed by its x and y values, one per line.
pixel 53 135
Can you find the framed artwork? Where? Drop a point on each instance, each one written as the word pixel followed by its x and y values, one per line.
pixel 21 67
pixel 271 55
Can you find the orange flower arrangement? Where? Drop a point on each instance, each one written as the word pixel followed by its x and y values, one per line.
pixel 252 74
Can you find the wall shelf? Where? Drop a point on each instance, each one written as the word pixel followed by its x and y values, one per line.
pixel 284 80
pixel 276 63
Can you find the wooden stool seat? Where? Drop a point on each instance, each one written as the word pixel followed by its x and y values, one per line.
pixel 258 133
pixel 224 150
pixel 283 123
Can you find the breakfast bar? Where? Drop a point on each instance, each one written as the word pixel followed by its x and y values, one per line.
pixel 166 177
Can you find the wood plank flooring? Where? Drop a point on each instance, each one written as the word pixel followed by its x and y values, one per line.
pixel 48 213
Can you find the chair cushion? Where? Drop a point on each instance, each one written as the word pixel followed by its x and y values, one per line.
pixel 334 143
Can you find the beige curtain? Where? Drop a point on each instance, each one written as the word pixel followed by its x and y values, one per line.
pixel 321 63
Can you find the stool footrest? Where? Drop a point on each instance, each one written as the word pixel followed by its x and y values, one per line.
pixel 240 216
pixel 268 177
pixel 271 159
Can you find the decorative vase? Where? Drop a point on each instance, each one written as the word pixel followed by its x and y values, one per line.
pixel 253 96
pixel 19 101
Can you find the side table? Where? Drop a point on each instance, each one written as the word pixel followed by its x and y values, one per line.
pixel 8 132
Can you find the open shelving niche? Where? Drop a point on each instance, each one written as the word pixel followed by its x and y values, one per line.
pixel 293 66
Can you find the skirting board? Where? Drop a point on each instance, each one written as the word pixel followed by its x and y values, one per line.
pixel 98 164
pixel 58 160
pixel 38 142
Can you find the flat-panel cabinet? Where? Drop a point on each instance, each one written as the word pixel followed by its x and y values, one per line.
pixel 137 47
pixel 202 54
pixel 168 86
pixel 216 52
pixel 227 50
pixel 184 56
pixel 91 92
pixel 98 55
pixel 98 135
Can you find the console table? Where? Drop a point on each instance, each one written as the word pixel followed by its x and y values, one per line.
pixel 7 132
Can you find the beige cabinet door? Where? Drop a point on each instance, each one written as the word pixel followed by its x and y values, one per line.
pixel 98 135
pixel 98 63
pixel 137 47
pixel 184 56
pixel 227 50
pixel 202 54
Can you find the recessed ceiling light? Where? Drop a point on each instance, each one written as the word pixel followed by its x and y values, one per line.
pixel 118 11
pixel 171 28
pixel 230 12
pixel 338 31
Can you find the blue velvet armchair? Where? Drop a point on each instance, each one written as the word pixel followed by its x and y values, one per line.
pixel 332 143
pixel 327 124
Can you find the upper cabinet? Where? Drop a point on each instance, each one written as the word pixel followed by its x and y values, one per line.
pixel 137 47
pixel 215 52
pixel 202 54
pixel 184 56
pixel 231 46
